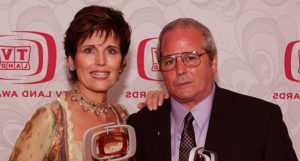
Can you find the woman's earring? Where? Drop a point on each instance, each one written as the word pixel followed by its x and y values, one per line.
pixel 122 67
pixel 72 68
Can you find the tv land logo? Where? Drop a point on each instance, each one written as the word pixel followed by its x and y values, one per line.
pixel 292 71
pixel 292 61
pixel 148 66
pixel 14 57
pixel 32 62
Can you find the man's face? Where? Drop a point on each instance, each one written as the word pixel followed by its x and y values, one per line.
pixel 188 85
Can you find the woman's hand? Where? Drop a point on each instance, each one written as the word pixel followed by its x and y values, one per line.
pixel 153 100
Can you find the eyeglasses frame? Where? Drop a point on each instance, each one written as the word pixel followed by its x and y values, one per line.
pixel 175 55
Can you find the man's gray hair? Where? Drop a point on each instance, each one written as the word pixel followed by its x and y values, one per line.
pixel 208 45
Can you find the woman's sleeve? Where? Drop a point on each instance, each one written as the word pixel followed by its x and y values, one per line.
pixel 35 139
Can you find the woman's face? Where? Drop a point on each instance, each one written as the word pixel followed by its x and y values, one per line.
pixel 97 62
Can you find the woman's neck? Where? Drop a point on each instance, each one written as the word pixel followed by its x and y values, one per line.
pixel 94 96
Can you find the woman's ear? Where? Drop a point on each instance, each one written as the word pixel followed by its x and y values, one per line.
pixel 71 63
pixel 122 66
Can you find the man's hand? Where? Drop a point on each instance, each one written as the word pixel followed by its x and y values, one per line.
pixel 153 100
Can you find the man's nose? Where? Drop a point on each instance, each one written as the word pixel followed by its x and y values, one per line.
pixel 180 66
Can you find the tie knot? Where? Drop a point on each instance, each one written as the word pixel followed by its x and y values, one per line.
pixel 189 118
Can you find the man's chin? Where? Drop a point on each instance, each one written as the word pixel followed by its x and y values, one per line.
pixel 183 98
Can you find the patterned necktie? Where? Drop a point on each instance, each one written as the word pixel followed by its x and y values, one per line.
pixel 187 138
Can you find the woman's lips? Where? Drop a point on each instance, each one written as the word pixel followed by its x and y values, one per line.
pixel 99 75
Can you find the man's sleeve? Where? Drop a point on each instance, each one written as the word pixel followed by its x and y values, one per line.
pixel 279 146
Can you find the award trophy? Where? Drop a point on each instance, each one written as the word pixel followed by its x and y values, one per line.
pixel 109 142
pixel 202 154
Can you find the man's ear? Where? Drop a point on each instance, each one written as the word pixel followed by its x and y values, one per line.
pixel 214 64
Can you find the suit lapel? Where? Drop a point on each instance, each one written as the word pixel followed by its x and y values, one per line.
pixel 222 125
pixel 163 132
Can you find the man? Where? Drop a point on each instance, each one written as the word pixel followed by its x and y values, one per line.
pixel 235 126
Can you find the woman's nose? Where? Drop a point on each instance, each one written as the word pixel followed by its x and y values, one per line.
pixel 100 59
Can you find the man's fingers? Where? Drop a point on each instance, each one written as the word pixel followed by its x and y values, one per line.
pixel 141 105
pixel 166 95
pixel 153 100
pixel 161 98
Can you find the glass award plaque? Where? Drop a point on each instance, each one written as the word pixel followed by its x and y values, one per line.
pixel 109 142
pixel 202 154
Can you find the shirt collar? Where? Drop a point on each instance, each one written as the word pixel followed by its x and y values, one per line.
pixel 201 111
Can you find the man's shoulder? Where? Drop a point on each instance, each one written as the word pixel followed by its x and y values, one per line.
pixel 246 100
pixel 144 115
pixel 245 107
pixel 145 112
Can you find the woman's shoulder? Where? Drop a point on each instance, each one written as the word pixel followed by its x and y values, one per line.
pixel 121 111
pixel 56 108
pixel 37 133
pixel 44 111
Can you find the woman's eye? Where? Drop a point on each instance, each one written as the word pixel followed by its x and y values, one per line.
pixel 89 50
pixel 112 51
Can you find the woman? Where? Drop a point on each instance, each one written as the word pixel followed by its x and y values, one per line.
pixel 96 44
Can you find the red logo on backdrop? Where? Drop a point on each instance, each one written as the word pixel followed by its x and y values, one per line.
pixel 14 57
pixel 155 64
pixel 292 61
pixel 148 66
pixel 31 63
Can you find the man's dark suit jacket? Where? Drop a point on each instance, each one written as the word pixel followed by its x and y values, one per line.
pixel 241 128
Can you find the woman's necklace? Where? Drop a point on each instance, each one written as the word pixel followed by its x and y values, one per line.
pixel 88 105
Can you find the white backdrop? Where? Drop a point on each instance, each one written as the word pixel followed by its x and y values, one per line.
pixel 257 40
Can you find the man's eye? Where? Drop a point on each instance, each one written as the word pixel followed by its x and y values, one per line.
pixel 190 57
pixel 169 61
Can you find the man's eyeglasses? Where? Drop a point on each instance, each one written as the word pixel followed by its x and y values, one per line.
pixel 190 59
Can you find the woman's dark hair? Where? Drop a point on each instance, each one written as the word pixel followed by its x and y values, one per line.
pixel 93 19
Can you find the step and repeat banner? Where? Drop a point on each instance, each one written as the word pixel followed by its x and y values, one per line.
pixel 258 50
